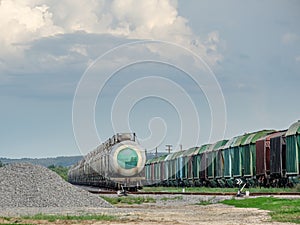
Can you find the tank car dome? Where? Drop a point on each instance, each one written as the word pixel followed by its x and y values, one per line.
pixel 128 158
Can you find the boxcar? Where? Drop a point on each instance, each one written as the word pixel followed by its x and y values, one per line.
pixel 237 157
pixel 188 177
pixel 268 157
pixel 209 156
pixel 249 152
pixel 219 166
pixel 267 154
pixel 197 165
pixel 227 153
pixel 278 155
pixel 203 163
pixel 293 152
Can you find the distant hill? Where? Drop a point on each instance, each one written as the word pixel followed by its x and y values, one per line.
pixel 64 161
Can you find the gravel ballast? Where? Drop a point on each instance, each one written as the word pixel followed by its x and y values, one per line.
pixel 27 185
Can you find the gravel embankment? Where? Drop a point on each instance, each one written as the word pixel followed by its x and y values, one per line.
pixel 27 185
pixel 170 200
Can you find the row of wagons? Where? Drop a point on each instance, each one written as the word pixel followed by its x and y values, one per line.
pixel 266 158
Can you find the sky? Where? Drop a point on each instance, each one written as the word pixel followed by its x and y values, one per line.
pixel 186 73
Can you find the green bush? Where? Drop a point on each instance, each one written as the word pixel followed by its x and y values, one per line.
pixel 60 170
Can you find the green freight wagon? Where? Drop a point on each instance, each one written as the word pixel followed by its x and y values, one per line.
pixel 211 157
pixel 293 151
pixel 227 153
pixel 203 161
pixel 237 158
pixel 170 167
pixel 175 167
pixel 188 160
pixel 244 153
pixel 149 171
pixel 219 166
pixel 248 152
pixel 161 170
pixel 199 165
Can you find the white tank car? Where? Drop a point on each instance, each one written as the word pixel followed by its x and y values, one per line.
pixel 117 163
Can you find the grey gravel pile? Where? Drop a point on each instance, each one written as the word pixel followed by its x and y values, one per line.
pixel 27 185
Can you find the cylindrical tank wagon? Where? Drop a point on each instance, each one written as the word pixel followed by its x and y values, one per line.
pixel 117 163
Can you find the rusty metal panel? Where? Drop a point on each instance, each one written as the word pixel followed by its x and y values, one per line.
pixel 267 154
pixel 278 155
pixel 260 157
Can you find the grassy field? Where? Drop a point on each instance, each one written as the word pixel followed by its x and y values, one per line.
pixel 282 210
pixel 53 218
pixel 171 198
pixel 16 223
pixel 218 190
pixel 128 200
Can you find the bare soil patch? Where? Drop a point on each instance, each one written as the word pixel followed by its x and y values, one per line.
pixel 181 211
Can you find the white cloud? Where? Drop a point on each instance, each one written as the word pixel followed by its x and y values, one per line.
pixel 145 18
pixel 160 20
pixel 290 38
pixel 76 15
pixel 21 23
pixel 24 22
pixel 297 58
pixel 80 49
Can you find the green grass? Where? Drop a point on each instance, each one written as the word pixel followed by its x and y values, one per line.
pixel 206 202
pixel 282 210
pixel 173 198
pixel 52 218
pixel 128 200
pixel 16 224
pixel 6 218
pixel 217 190
pixel 203 202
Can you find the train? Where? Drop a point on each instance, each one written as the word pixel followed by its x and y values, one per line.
pixel 263 158
pixel 117 164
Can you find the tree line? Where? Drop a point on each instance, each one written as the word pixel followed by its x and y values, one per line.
pixel 60 170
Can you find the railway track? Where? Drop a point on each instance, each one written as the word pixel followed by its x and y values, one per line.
pixel 94 190
pixel 201 193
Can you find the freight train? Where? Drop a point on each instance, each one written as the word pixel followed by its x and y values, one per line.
pixel 264 158
pixel 116 164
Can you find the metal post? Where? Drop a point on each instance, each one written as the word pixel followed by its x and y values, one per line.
pixel 169 148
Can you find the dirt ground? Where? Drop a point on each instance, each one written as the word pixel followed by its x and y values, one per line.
pixel 171 214
pixel 212 214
